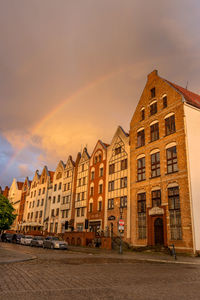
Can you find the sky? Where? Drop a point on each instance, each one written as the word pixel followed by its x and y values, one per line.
pixel 73 70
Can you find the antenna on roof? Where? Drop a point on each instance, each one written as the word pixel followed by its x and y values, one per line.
pixel 186 85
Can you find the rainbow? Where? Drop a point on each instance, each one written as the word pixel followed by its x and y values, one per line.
pixel 50 114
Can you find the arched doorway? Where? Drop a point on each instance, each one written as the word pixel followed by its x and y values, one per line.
pixel 158 231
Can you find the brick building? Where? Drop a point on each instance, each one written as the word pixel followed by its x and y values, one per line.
pixel 164 147
pixel 97 187
pixel 14 196
pixel 25 191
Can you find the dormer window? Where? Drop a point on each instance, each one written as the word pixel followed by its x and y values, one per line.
pixel 164 101
pixel 153 92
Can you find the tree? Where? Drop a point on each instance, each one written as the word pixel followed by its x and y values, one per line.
pixel 6 213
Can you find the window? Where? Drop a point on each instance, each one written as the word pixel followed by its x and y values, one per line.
pixel 153 109
pixel 124 164
pixel 64 187
pixel 142 114
pixel 55 187
pixel 60 185
pixel 30 205
pixel 56 227
pixel 92 175
pixel 51 227
pixel 43 191
pixel 40 214
pixel 99 205
pixel 39 192
pixel 63 201
pixel 100 157
pixel 58 199
pixel 82 167
pixel 52 212
pixel 42 202
pixel 175 213
pixel 111 185
pixel 100 188
pixel 31 215
pixel 111 203
pixel 57 211
pixel 68 186
pixel 82 211
pixel 140 138
pixel 54 199
pixel 28 216
pixel 155 164
pixel 83 195
pixel 79 182
pixel 153 92
pixel 31 194
pixel 38 203
pixel 90 207
pixel 141 199
pixel 42 180
pixel 172 165
pixel 154 131
pixel 91 191
pixel 123 182
pixel 68 198
pixel 84 180
pixel 78 212
pixel 34 193
pixel 67 173
pixel 101 172
pixel 33 203
pixel 141 169
pixel 111 168
pixel 36 214
pixel 78 196
pixel 118 150
pixel 156 198
pixel 123 201
pixel 164 101
pixel 170 125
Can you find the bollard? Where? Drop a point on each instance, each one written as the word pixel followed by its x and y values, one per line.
pixel 173 251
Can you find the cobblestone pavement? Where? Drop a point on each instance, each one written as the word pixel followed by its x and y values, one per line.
pixel 71 275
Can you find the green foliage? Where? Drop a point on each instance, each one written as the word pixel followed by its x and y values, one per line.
pixel 6 213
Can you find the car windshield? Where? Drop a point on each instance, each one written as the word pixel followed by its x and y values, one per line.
pixel 29 237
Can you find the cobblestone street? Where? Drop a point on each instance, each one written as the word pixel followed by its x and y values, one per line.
pixel 73 275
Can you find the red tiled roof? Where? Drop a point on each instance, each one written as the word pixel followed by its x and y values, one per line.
pixel 19 185
pixel 190 97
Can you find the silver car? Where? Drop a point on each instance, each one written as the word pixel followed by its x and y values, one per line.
pixel 53 242
pixel 26 240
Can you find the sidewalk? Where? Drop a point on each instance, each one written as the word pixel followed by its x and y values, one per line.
pixel 11 256
pixel 129 256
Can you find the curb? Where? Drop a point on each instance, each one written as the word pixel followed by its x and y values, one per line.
pixel 17 260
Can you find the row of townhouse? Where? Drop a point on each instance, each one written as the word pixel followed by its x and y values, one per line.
pixel 149 178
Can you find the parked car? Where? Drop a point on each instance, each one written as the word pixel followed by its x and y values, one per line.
pixel 17 238
pixel 37 241
pixel 7 237
pixel 53 242
pixel 26 240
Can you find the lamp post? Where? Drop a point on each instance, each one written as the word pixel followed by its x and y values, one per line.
pixel 120 230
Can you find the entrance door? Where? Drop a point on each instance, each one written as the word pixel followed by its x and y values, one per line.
pixel 158 232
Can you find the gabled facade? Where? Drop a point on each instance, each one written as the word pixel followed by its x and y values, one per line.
pixel 14 197
pixel 118 184
pixel 97 187
pixel 56 198
pixel 81 197
pixel 25 193
pixel 164 166
pixel 67 209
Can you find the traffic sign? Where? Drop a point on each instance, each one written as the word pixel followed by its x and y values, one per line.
pixel 121 222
